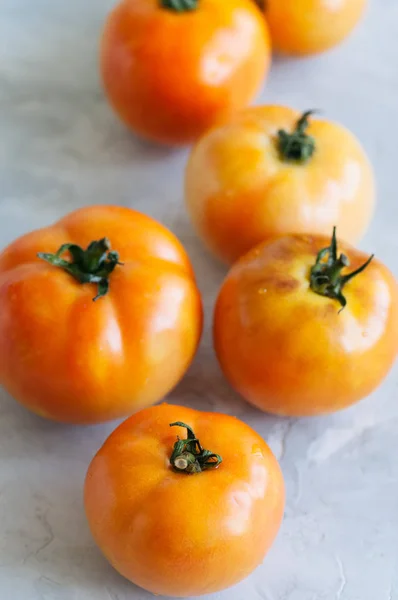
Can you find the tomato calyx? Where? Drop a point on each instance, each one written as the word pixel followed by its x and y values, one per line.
pixel 326 278
pixel 93 265
pixel 297 146
pixel 188 455
pixel 180 5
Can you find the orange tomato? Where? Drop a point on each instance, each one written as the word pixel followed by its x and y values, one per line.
pixel 70 359
pixel 173 68
pixel 271 172
pixel 311 26
pixel 283 338
pixel 184 516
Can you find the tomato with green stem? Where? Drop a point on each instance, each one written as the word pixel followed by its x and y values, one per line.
pixel 273 171
pixel 70 359
pixel 173 68
pixel 297 333
pixel 184 503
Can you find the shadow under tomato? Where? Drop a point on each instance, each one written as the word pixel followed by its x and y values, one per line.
pixel 205 388
pixel 209 271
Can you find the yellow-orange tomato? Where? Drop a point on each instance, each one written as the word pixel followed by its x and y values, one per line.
pixel 172 516
pixel 173 68
pixel 70 359
pixel 283 338
pixel 310 26
pixel 271 172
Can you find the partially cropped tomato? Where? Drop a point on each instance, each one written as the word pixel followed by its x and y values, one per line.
pixel 173 68
pixel 184 503
pixel 297 332
pixel 70 359
pixel 271 171
pixel 311 26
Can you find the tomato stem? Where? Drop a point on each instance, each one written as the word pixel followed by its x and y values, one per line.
pixel 180 5
pixel 297 146
pixel 93 265
pixel 188 455
pixel 326 278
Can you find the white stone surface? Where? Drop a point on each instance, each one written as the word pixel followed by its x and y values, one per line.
pixel 60 148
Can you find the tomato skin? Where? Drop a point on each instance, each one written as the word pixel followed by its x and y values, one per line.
pixel 239 191
pixel 288 350
pixel 302 27
pixel 73 360
pixel 183 535
pixel 170 76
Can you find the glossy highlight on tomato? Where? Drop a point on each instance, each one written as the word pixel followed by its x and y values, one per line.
pixel 72 359
pixel 173 68
pixel 274 171
pixel 184 510
pixel 304 326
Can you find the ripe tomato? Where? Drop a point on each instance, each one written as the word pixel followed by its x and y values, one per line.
pixel 173 68
pixel 270 172
pixel 310 26
pixel 181 516
pixel 283 338
pixel 74 360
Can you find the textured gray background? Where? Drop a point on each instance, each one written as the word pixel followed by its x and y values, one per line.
pixel 60 148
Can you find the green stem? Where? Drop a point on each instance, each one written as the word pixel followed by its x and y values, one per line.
pixel 180 6
pixel 93 265
pixel 188 456
pixel 297 146
pixel 326 276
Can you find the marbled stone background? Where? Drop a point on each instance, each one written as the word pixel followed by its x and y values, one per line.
pixel 60 148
